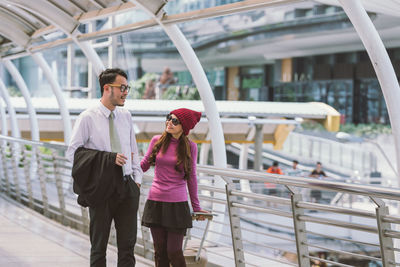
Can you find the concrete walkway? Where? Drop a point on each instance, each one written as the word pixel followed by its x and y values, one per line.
pixel 29 239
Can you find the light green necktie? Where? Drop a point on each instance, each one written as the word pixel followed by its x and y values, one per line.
pixel 114 137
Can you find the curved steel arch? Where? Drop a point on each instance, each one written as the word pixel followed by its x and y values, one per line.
pixel 65 23
pixel 11 111
pixel 54 85
pixel 35 136
pixel 55 15
pixel 200 79
pixel 382 65
pixel 13 32
pixel 4 126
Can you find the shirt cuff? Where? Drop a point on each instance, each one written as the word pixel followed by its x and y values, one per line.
pixel 137 177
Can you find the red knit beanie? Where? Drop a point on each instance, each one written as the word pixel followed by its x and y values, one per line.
pixel 188 118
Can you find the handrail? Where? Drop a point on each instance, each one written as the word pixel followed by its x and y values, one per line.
pixel 33 143
pixel 255 218
pixel 366 190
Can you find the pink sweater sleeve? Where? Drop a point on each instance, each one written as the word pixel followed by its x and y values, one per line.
pixel 192 182
pixel 144 164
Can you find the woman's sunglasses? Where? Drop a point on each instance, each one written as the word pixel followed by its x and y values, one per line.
pixel 174 121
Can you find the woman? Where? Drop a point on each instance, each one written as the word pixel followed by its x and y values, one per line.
pixel 167 211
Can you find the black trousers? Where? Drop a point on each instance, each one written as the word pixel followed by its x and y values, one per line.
pixel 123 210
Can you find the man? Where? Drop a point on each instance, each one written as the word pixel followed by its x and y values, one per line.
pixel 270 189
pixel 108 128
pixel 316 194
pixel 275 168
pixel 166 79
pixel 295 163
pixel 318 172
pixel 294 171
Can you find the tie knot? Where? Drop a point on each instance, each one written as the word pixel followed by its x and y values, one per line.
pixel 112 115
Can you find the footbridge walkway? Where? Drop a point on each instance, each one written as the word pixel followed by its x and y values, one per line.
pixel 356 227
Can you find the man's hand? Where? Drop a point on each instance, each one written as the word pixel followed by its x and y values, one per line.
pixel 120 160
pixel 138 185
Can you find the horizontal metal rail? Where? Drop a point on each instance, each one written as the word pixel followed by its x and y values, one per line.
pixel 257 220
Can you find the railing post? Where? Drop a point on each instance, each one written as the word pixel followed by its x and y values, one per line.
pixel 300 231
pixel 235 229
pixel 42 179
pixel 5 167
pixel 147 244
pixel 385 242
pixel 60 190
pixel 14 163
pixel 27 167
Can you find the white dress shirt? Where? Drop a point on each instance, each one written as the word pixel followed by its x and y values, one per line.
pixel 91 130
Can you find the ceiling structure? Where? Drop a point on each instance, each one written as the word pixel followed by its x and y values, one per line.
pixel 36 25
pixel 29 27
pixel 33 26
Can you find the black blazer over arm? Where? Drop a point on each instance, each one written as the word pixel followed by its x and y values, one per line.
pixel 96 176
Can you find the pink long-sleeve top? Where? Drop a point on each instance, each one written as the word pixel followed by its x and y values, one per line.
pixel 168 184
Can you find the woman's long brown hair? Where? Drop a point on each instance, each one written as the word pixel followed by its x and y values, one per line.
pixel 183 153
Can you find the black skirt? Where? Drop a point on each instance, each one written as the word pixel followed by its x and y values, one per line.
pixel 174 216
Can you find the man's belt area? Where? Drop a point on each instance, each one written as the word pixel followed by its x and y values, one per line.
pixel 127 177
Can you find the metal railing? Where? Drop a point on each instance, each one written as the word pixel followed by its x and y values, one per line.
pixel 349 157
pixel 268 226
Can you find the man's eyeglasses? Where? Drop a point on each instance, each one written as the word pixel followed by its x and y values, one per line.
pixel 174 121
pixel 124 88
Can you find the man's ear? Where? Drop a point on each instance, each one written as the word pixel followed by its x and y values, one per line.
pixel 106 87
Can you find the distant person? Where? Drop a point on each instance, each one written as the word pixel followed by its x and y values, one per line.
pixel 166 211
pixel 294 165
pixel 270 188
pixel 294 170
pixel 318 172
pixel 275 168
pixel 166 79
pixel 150 89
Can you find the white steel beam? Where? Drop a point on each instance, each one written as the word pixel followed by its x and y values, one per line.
pixel 11 111
pixel 50 12
pixel 200 79
pixel 381 62
pixel 39 59
pixel 243 158
pixel 64 22
pixel 3 118
pixel 222 10
pixel 13 31
pixel 27 97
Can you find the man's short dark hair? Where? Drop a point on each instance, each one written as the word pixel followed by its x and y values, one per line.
pixel 318 162
pixel 108 76
pixel 275 164
pixel 295 161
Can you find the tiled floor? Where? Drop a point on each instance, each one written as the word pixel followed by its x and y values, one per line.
pixel 29 239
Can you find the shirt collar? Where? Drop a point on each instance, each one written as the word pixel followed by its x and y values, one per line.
pixel 106 112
